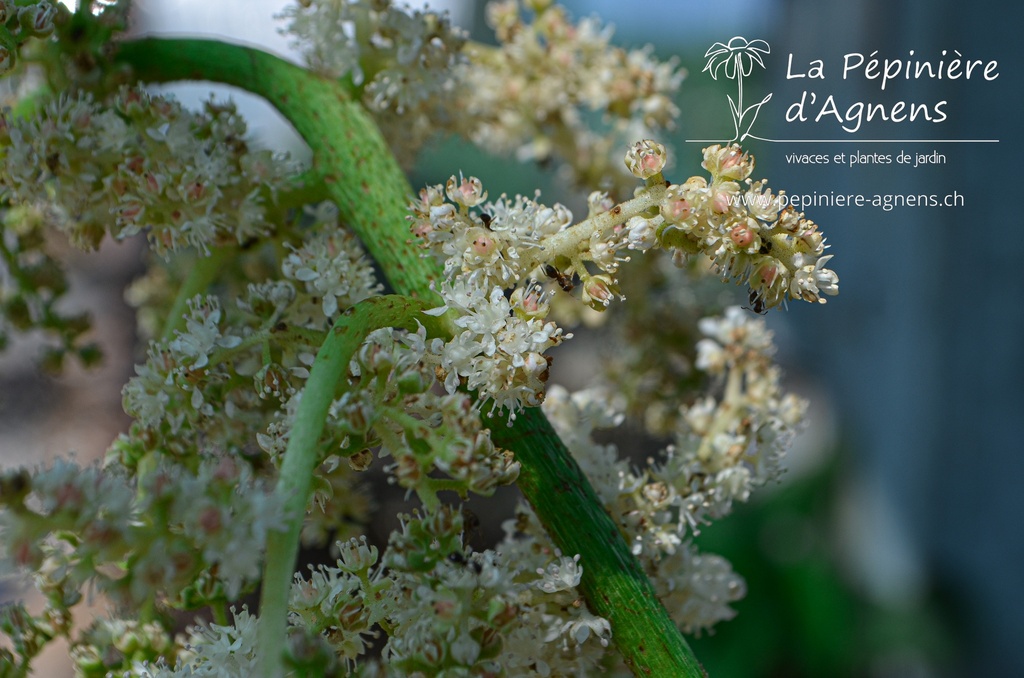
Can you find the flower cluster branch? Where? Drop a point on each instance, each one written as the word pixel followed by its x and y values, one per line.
pixel 275 371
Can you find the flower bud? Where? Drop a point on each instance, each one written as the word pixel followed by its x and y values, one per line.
pixel 675 208
pixel 641 233
pixel 356 555
pixel 468 192
pixel 729 163
pixel 720 203
pixel 271 381
pixel 598 291
pixel 742 235
pixel 812 240
pixel 482 243
pixel 529 302
pixel 765 276
pixel 646 158
pixel 361 460
pixel 37 19
pixel 599 202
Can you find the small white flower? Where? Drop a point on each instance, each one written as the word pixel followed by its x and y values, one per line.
pixel 563 575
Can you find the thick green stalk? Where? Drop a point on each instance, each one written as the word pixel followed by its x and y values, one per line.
pixel 304 454
pixel 369 188
pixel 617 587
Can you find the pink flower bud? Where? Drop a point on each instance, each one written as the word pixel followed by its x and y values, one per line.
pixel 529 302
pixel 421 228
pixel 130 211
pixel 210 520
pixel 728 163
pixel 483 244
pixel 675 209
pixel 742 236
pixel 720 203
pixel 598 291
pixel 766 275
pixel 646 158
pixel 812 239
pixel 466 191
pixel 196 191
pixel 152 183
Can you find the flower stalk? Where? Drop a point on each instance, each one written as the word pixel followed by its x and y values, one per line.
pixel 304 454
pixel 364 180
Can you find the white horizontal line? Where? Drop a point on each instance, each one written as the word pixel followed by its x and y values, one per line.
pixel 856 141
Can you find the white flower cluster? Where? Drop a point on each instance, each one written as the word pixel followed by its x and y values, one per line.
pixel 333 602
pixel 177 525
pixel 648 509
pixel 725 447
pixel 332 265
pixel 513 609
pixel 491 246
pixel 398 55
pixel 188 379
pixel 112 642
pixel 728 445
pixel 499 344
pixel 499 352
pixel 155 396
pixel 390 402
pixel 402 62
pixel 189 179
pixel 536 93
pixel 741 225
pixel 213 651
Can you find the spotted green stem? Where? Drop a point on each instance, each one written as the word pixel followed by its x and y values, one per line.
pixel 364 180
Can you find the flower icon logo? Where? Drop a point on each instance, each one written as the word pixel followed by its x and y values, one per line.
pixel 736 60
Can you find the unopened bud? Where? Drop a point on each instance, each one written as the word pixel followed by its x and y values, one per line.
pixel 675 208
pixel 468 192
pixel 742 235
pixel 646 158
pixel 599 202
pixel 598 291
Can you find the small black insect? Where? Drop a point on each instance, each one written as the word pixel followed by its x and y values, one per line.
pixel 487 219
pixel 766 247
pixel 564 281
pixel 757 304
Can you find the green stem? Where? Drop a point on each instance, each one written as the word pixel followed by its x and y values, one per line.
pixel 613 582
pixel 303 453
pixel 370 190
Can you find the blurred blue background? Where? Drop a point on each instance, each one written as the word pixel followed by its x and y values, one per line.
pixel 920 355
